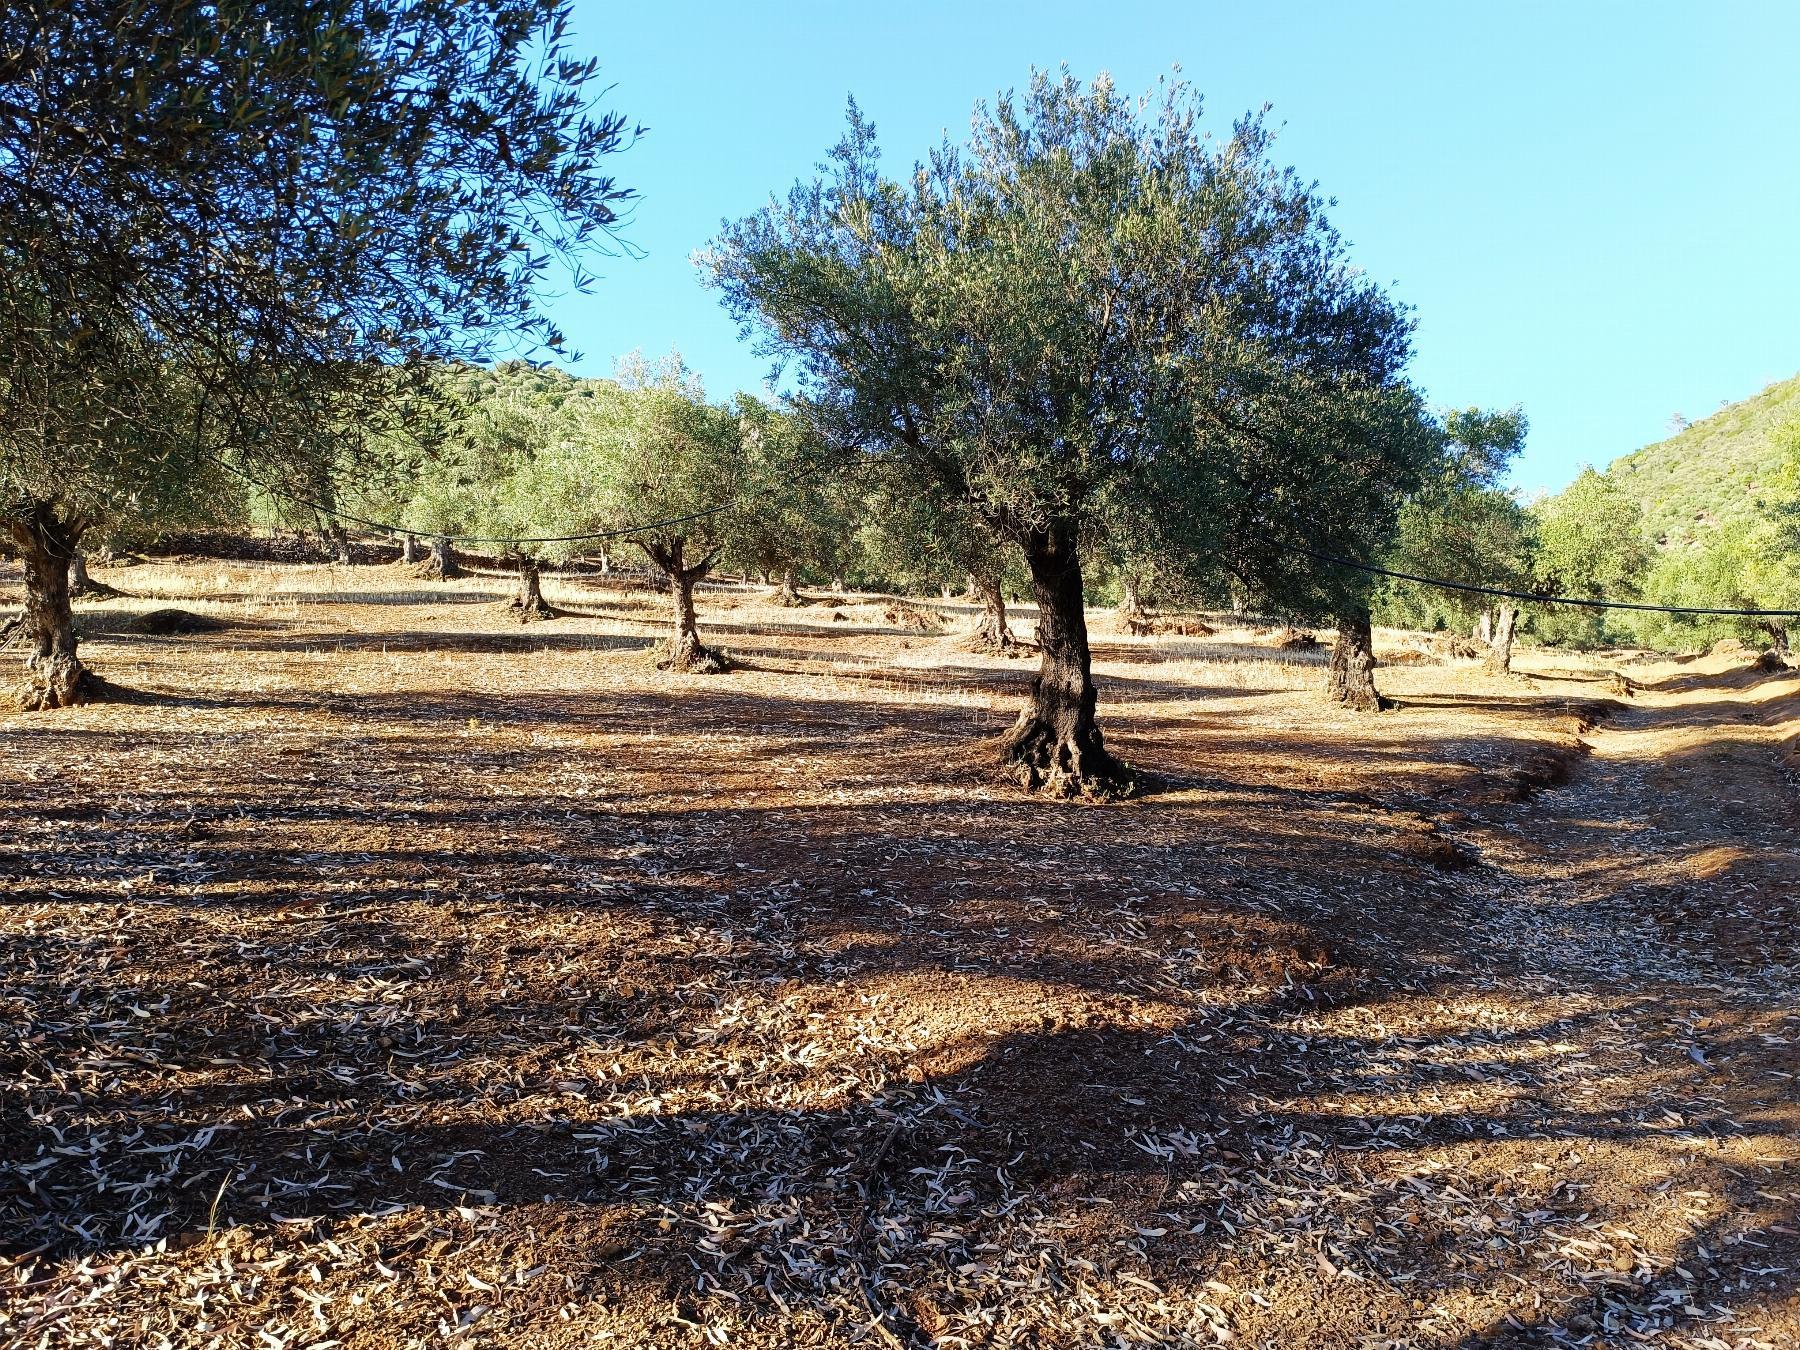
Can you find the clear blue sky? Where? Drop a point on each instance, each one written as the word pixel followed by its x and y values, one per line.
pixel 1593 208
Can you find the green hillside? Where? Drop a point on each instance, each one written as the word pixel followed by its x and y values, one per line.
pixel 1712 472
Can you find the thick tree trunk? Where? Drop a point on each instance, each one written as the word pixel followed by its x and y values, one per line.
pixel 409 549
pixel 340 548
pixel 47 545
pixel 1351 678
pixel 605 563
pixel 81 584
pixel 787 595
pixel 685 653
pixel 1501 643
pixel 1484 627
pixel 442 565
pixel 528 601
pixel 992 633
pixel 1056 743
pixel 1778 635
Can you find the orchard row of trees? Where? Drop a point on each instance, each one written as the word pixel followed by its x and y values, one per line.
pixel 272 251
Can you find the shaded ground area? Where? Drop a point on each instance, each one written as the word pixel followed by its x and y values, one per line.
pixel 389 975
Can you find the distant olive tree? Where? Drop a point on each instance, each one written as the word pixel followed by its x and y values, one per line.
pixel 1462 524
pixel 667 459
pixel 1591 545
pixel 1091 296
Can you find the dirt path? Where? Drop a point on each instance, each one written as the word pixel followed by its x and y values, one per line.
pixel 1641 920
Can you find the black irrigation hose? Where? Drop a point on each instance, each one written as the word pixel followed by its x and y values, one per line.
pixel 1467 587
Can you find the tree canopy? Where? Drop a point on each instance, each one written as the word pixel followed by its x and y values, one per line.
pixel 241 230
pixel 1090 295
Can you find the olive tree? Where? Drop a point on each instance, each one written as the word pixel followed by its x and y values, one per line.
pixel 660 457
pixel 929 538
pixel 226 226
pixel 1087 293
pixel 790 519
pixel 1591 544
pixel 1462 524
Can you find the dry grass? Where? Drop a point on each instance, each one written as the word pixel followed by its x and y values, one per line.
pixel 390 974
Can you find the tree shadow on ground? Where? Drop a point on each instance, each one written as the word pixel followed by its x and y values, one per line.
pixel 475 1008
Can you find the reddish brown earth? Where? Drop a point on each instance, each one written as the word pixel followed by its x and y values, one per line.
pixel 386 974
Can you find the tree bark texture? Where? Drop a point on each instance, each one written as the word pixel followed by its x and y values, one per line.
pixel 1351 675
pixel 685 653
pixel 47 544
pixel 81 584
pixel 1056 744
pixel 409 549
pixel 1500 645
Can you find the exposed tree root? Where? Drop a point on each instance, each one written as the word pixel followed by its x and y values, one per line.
pixel 538 611
pixel 441 565
pixel 986 642
pixel 690 657
pixel 1041 758
pixel 787 595
pixel 528 604
pixel 62 682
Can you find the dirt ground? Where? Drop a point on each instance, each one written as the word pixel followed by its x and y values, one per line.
pixel 384 973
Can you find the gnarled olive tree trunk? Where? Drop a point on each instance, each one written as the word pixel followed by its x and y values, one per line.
pixel 528 601
pixel 442 564
pixel 685 652
pixel 81 584
pixel 47 544
pixel 409 549
pixel 1056 743
pixel 1500 645
pixel 1351 676
pixel 787 594
pixel 992 632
